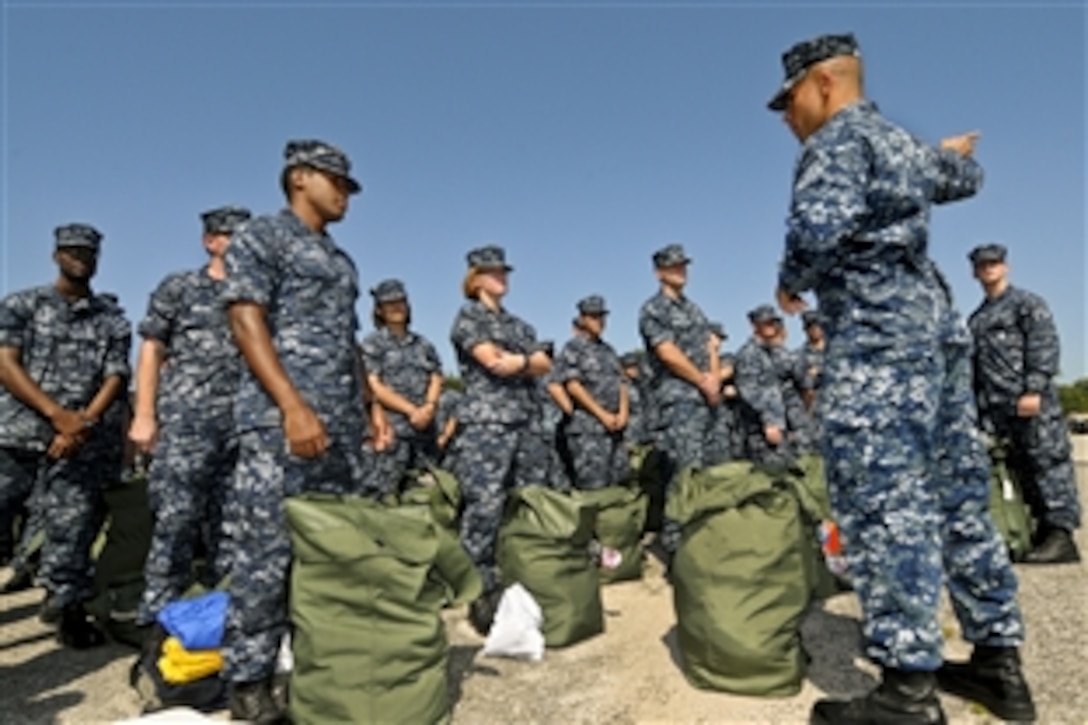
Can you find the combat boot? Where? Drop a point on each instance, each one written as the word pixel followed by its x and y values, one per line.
pixel 1055 547
pixel 994 679
pixel 21 580
pixel 152 637
pixel 903 698
pixel 76 631
pixel 253 702
pixel 50 611
pixel 481 612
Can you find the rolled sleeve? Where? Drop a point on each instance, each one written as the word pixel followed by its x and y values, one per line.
pixel 15 314
pixel 116 362
pixel 654 330
pixel 432 361
pixel 162 311
pixel 470 329
pixel 372 355
pixel 569 365
pixel 251 268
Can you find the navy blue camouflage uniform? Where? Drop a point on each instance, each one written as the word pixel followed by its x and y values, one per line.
pixel 810 361
pixel 449 400
pixel 552 421
pixel 759 390
pixel 598 456
pixel 194 458
pixel 499 446
pixel 728 428
pixel 1016 352
pixel 799 429
pixel 907 471
pixel 70 349
pixel 308 287
pixel 405 364
pixel 684 420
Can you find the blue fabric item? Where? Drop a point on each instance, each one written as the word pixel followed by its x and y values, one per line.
pixel 197 623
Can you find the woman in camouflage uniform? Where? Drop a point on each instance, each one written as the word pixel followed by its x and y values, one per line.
pixel 499 445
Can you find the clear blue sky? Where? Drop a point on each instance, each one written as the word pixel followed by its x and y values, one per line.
pixel 580 138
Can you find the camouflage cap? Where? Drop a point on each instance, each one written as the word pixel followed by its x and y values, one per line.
pixel 225 219
pixel 988 253
pixel 670 256
pixel 764 313
pixel 811 317
pixel 630 359
pixel 78 235
pixel 797 60
pixel 718 330
pixel 322 156
pixel 592 305
pixel 389 290
pixel 489 257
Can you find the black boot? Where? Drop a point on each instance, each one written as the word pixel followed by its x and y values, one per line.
pixel 152 637
pixel 50 611
pixel 1056 547
pixel 20 581
pixel 481 613
pixel 253 702
pixel 992 678
pixel 76 631
pixel 903 698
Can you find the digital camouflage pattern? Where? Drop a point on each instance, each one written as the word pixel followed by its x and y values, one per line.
pixel 760 401
pixel 70 349
pixel 501 442
pixel 1016 352
pixel 308 287
pixel 907 472
pixel 405 365
pixel 598 456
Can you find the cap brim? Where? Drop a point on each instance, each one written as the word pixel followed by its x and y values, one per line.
pixel 781 99
pixel 493 267
pixel 354 187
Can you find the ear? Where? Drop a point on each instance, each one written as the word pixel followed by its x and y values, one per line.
pixel 824 82
pixel 298 174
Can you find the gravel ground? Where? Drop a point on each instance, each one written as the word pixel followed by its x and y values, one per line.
pixel 627 675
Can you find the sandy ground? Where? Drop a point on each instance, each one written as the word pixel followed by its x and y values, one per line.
pixel 630 674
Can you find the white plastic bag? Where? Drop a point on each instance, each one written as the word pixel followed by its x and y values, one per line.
pixel 171 716
pixel 516 631
pixel 285 660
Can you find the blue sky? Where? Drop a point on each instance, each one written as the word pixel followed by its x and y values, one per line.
pixel 580 137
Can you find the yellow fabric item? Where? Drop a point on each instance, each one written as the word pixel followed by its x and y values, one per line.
pixel 179 666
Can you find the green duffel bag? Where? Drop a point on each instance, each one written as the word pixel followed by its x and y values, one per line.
pixel 646 465
pixel 119 553
pixel 1009 510
pixel 368 583
pixel 435 488
pixel 544 544
pixel 811 476
pixel 739 580
pixel 808 480
pixel 621 516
